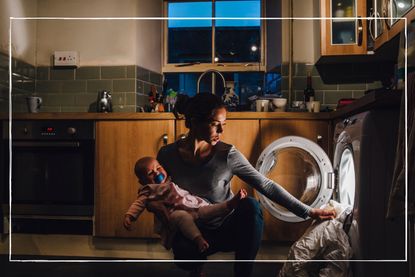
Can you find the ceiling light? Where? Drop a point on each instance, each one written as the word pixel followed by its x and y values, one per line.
pixel 254 48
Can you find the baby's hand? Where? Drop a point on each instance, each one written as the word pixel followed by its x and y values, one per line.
pixel 127 222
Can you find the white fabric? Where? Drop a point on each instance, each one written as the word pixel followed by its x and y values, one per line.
pixel 323 240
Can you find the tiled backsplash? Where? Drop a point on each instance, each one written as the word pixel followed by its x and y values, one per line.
pixel 76 90
pixel 327 94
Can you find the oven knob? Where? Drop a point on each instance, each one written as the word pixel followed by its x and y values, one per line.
pixel 25 131
pixel 71 131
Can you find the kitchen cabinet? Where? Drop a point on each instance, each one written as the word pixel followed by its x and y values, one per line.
pixel 346 32
pixel 320 132
pixel 385 29
pixel 118 146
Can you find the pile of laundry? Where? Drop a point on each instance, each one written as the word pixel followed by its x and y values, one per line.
pixel 323 250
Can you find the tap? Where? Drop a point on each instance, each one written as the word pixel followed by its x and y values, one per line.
pixel 214 71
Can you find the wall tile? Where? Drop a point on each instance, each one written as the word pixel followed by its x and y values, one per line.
pixel 156 78
pixel 332 97
pixel 58 100
pixel 94 86
pixel 318 84
pixel 131 71
pixel 77 86
pixel 62 74
pixel 127 85
pixel 130 98
pixel 359 86
pixel 143 74
pixel 42 73
pixel 358 93
pixel 113 72
pixel 85 99
pixel 88 73
pixel 72 109
pixel 118 99
pixel 48 86
pixel 124 109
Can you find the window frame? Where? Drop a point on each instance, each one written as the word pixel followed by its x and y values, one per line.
pixel 223 67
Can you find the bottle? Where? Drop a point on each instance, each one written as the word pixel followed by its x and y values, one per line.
pixel 308 91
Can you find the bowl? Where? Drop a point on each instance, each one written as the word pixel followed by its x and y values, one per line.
pixel 279 103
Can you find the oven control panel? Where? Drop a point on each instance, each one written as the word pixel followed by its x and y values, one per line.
pixel 53 130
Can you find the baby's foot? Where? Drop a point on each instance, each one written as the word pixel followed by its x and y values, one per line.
pixel 233 203
pixel 201 243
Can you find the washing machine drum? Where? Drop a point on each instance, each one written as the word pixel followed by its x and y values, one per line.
pixel 301 167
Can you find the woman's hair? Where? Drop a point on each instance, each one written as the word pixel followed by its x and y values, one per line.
pixel 201 107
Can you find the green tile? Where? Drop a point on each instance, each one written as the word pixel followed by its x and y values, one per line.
pixel 124 109
pixel 42 73
pixel 50 109
pixel 318 84
pixel 319 96
pixel 58 100
pixel 374 85
pixel 62 74
pixel 284 69
pixel 299 83
pixel 131 71
pixel 139 87
pixel 118 99
pixel 141 100
pixel 127 85
pixel 85 99
pixel 87 73
pixel 71 109
pixel 94 86
pixel 300 69
pixel 48 86
pixel 78 86
pixel 358 93
pixel 359 86
pixel 130 98
pixel 156 78
pixel 143 74
pixel 332 97
pixel 113 72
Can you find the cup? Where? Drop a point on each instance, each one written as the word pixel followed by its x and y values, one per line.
pixel 262 105
pixel 316 106
pixel 309 106
pixel 33 104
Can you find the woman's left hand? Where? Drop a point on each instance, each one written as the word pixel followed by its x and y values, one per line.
pixel 322 214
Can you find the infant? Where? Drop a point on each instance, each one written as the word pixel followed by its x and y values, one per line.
pixel 176 208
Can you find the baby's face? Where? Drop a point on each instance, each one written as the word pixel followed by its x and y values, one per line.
pixel 151 170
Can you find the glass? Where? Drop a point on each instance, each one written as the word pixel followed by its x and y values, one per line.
pixel 343 29
pixel 189 40
pixel 237 40
pixel 400 8
pixel 297 171
pixel 347 178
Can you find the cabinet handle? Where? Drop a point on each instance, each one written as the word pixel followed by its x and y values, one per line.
pixel 182 136
pixel 360 31
pixel 165 139
pixel 319 138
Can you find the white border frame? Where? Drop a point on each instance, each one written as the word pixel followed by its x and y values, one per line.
pixel 164 18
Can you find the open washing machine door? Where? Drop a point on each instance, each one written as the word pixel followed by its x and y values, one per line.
pixel 301 167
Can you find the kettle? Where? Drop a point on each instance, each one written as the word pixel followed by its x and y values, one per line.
pixel 104 102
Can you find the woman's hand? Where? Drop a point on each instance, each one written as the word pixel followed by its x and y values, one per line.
pixel 322 214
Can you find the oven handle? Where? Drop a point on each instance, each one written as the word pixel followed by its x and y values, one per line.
pixel 69 144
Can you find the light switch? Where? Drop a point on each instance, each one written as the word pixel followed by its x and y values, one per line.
pixel 66 58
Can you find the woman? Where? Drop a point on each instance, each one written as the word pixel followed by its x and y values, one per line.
pixel 204 165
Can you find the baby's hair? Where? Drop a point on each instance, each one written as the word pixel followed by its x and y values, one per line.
pixel 140 166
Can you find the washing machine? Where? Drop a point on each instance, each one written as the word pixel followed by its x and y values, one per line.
pixel 360 176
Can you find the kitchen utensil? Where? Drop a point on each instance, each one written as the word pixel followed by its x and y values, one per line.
pixel 262 105
pixel 279 103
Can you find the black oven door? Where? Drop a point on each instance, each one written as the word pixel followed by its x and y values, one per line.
pixel 53 178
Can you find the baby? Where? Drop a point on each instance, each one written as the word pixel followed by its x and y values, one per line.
pixel 179 209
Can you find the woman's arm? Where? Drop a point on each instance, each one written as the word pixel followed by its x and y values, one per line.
pixel 243 169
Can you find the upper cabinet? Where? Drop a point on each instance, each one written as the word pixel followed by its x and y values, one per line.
pixel 344 32
pixel 388 23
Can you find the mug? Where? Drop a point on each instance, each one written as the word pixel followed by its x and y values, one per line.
pixel 33 104
pixel 262 105
pixel 313 106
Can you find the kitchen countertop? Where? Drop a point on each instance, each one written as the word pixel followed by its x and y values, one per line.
pixel 373 100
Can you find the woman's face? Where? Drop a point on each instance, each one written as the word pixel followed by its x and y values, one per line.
pixel 212 130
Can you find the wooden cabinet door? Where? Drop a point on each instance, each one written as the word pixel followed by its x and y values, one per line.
pixel 118 146
pixel 337 37
pixel 244 135
pixel 318 131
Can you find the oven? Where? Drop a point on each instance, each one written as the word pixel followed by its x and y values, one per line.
pixel 52 176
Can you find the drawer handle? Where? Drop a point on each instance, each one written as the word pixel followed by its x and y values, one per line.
pixel 165 139
pixel 360 31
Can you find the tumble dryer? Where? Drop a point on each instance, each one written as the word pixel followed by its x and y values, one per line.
pixel 360 176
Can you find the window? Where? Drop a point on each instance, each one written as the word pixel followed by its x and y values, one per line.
pixel 197 44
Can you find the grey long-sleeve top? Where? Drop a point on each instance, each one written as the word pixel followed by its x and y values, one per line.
pixel 211 180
